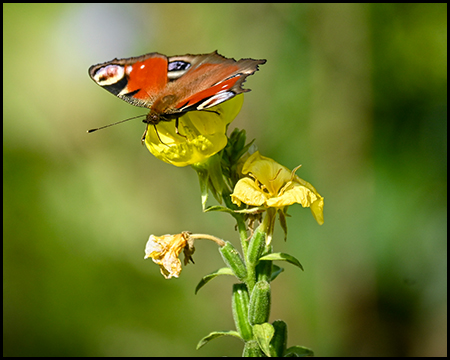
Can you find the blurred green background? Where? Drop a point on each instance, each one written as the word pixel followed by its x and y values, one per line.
pixel 355 93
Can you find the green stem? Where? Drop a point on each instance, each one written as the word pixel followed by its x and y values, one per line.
pixel 243 235
pixel 255 249
pixel 240 221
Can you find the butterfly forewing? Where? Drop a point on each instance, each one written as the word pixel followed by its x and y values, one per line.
pixel 137 80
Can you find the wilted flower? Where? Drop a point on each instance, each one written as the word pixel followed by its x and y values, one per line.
pixel 165 249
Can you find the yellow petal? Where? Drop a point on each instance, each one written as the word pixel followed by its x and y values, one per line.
pixel 170 265
pixel 279 186
pixel 164 251
pixel 204 134
pixel 247 191
pixel 268 172
pixel 317 210
pixel 295 194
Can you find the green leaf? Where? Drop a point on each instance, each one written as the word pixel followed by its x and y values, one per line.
pixel 276 270
pixel 209 277
pixel 284 257
pixel 298 351
pixel 263 334
pixel 216 334
pixel 218 208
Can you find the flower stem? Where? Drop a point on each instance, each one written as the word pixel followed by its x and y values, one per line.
pixel 219 242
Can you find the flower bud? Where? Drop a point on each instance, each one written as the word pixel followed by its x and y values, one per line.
pixel 279 339
pixel 256 246
pixel 240 300
pixel 234 261
pixel 259 308
pixel 251 349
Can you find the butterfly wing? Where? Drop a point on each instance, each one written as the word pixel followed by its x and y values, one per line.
pixel 136 80
pixel 206 81
pixel 176 84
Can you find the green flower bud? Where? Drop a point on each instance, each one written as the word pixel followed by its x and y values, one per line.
pixel 259 308
pixel 279 340
pixel 251 349
pixel 240 302
pixel 233 259
pixel 256 246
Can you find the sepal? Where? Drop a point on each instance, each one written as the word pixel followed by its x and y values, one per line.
pixel 233 156
pixel 210 178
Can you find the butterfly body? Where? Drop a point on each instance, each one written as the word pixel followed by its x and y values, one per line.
pixel 172 86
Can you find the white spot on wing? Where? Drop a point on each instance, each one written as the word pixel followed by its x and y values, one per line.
pixel 109 75
pixel 220 97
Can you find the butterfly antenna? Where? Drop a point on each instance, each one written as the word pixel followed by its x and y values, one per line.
pixel 118 122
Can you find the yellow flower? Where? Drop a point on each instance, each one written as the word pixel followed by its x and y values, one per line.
pixel 272 185
pixel 204 134
pixel 165 249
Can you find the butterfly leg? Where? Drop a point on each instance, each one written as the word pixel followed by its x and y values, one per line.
pixel 157 134
pixel 176 129
pixel 216 112
pixel 144 135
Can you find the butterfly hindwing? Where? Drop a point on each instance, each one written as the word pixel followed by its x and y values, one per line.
pixel 210 80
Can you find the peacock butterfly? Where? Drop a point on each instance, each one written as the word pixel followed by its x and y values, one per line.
pixel 172 86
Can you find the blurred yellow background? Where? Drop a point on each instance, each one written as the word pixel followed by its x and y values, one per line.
pixel 357 94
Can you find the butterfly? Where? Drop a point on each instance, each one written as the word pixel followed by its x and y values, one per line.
pixel 171 86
